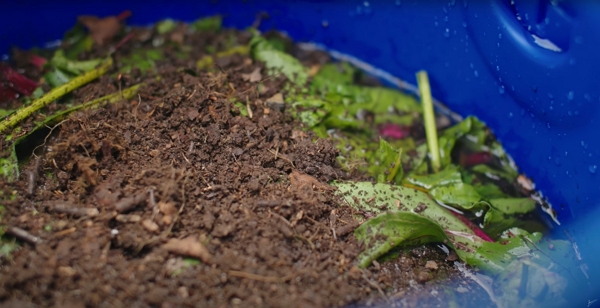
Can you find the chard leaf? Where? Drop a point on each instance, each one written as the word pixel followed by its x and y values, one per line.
pixel 394 229
pixel 458 194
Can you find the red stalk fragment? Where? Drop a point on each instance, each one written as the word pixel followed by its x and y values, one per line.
pixel 393 131
pixel 12 83
pixel 473 227
pixel 37 61
pixel 478 158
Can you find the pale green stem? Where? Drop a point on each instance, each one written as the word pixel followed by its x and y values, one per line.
pixel 429 118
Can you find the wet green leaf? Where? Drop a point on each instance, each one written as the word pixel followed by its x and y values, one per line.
pixel 513 205
pixel 208 24
pixel 494 174
pixel 489 191
pixel 393 229
pixel 458 194
pixel 450 175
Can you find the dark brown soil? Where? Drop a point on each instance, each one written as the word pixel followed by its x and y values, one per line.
pixel 248 195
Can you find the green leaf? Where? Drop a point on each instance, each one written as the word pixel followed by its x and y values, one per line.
pixel 450 175
pixel 207 24
pixel 513 205
pixel 57 78
pixel 76 41
pixel 386 163
pixel 60 61
pixel 165 26
pixel 494 174
pixel 458 194
pixel 278 61
pixel 449 137
pixel 144 60
pixel 489 191
pixel 394 229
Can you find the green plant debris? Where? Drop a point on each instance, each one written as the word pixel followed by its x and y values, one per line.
pixel 9 166
pixel 165 26
pixel 60 61
pixel 76 41
pixel 408 217
pixel 207 24
pixel 144 60
pixel 278 61
pixel 53 95
pixel 207 61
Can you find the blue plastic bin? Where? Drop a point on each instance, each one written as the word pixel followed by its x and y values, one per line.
pixel 529 69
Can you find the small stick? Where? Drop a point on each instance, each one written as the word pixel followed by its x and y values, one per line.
pixel 129 203
pixel 429 118
pixel 75 211
pixel 24 235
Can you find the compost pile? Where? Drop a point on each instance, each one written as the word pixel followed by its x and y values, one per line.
pixel 189 179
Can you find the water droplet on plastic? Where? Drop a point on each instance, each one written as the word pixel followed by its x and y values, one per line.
pixel 501 90
pixel 499 35
pixel 464 24
pixel 497 68
pixel 447 33
pixel 550 96
pixel 446 18
pixel 471 65
pixel 592 169
pixel 476 73
pixel 510 114
pixel 435 23
pixel 566 153
pixel 548 125
pixel 571 95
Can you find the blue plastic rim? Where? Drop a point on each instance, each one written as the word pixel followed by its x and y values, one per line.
pixel 528 68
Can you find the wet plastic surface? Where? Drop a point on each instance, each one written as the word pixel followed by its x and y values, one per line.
pixel 530 70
